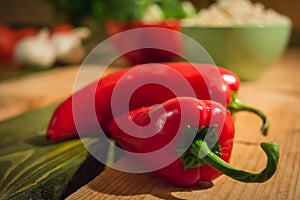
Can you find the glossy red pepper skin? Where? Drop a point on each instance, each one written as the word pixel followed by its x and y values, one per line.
pixel 62 124
pixel 158 37
pixel 210 113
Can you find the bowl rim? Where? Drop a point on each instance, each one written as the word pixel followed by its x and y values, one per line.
pixel 238 26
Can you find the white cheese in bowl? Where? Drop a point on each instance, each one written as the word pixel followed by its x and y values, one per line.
pixel 235 12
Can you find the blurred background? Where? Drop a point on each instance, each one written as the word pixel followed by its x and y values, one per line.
pixel 42 13
pixel 64 15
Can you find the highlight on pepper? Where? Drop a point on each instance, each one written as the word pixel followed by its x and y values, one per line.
pixel 176 118
pixel 206 153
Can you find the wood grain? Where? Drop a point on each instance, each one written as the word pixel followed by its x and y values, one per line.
pixel 41 89
pixel 276 93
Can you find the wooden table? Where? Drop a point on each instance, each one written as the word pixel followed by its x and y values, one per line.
pixel 276 93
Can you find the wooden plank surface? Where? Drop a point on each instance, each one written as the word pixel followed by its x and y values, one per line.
pixel 30 166
pixel 41 89
pixel 276 93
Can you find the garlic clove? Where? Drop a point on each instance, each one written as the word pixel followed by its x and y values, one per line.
pixel 36 50
pixel 82 33
pixel 68 46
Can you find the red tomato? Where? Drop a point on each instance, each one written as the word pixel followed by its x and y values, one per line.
pixel 168 40
pixel 62 28
pixel 7 42
pixel 25 32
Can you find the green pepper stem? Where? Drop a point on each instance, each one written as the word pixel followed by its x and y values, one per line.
pixel 236 106
pixel 271 149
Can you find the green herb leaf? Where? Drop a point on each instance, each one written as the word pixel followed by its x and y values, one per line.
pixel 172 9
pixel 33 168
pixel 77 12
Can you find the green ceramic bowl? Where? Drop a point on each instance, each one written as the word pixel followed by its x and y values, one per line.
pixel 246 50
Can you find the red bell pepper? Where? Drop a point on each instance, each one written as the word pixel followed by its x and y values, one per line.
pixel 211 140
pixel 62 28
pixel 221 84
pixel 158 37
pixel 25 32
pixel 7 42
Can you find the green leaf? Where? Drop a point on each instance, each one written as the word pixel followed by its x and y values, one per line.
pixel 33 168
pixel 78 12
pixel 172 9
